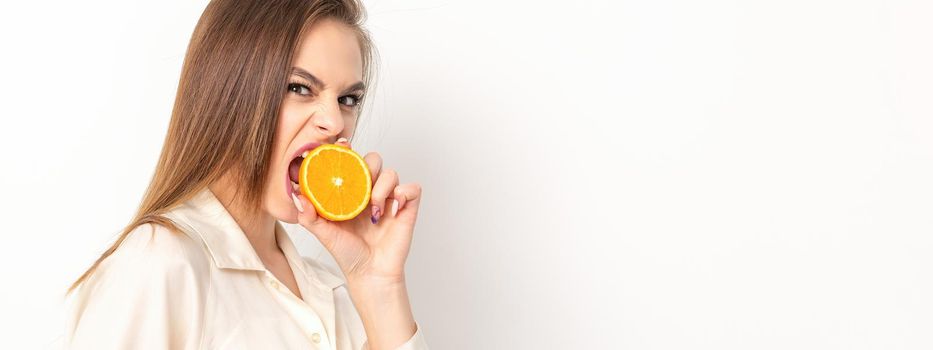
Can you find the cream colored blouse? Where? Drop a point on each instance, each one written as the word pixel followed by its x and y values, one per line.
pixel 206 288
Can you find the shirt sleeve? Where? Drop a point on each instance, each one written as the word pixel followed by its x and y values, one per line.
pixel 148 294
pixel 416 342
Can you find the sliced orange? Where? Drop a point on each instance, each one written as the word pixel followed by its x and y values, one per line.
pixel 336 180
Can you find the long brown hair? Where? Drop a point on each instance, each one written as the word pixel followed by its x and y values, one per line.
pixel 226 109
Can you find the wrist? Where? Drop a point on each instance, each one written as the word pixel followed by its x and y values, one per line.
pixel 376 281
pixel 375 295
pixel 384 309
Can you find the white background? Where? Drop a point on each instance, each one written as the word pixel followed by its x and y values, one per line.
pixel 618 174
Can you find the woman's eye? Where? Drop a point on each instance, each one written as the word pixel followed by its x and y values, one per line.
pixel 299 89
pixel 349 100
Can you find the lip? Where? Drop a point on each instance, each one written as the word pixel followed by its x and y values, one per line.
pixel 307 147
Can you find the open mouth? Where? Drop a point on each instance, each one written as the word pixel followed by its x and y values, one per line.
pixel 294 166
pixel 293 169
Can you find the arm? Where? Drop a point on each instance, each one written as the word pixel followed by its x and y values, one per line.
pixel 371 250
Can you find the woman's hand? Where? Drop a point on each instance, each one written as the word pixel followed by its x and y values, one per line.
pixel 373 246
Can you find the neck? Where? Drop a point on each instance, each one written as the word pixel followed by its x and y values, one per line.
pixel 259 227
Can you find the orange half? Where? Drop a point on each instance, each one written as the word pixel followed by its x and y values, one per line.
pixel 336 180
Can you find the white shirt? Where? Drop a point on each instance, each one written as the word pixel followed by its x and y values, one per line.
pixel 206 288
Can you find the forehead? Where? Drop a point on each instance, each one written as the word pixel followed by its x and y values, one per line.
pixel 330 51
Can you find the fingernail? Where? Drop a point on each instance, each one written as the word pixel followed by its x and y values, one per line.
pixel 376 215
pixel 297 203
pixel 343 139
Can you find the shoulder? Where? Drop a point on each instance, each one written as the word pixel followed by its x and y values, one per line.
pixel 158 246
pixel 161 254
pixel 157 241
pixel 153 267
pixel 150 291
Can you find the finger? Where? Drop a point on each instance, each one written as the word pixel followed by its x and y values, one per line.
pixel 308 218
pixel 374 162
pixel 387 181
pixel 409 198
pixel 307 215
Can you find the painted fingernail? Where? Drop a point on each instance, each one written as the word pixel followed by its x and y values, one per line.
pixel 376 215
pixel 297 203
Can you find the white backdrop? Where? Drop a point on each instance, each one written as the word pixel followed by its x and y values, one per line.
pixel 664 174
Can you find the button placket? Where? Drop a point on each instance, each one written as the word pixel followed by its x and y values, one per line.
pixel 303 311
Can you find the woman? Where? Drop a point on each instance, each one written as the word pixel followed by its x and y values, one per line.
pixel 205 262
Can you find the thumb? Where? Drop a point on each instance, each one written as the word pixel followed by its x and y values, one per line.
pixel 318 226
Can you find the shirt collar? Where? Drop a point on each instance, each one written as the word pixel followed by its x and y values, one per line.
pixel 228 245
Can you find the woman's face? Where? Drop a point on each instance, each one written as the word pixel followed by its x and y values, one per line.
pixel 321 105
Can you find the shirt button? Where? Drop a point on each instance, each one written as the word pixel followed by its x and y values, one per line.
pixel 316 337
pixel 274 284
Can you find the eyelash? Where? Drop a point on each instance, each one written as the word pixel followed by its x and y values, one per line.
pixel 357 98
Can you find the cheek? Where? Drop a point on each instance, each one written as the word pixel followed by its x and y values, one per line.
pixel 290 121
pixel 287 128
pixel 350 121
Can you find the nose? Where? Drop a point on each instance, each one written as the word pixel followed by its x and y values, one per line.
pixel 328 120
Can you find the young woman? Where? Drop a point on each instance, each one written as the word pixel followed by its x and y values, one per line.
pixel 205 263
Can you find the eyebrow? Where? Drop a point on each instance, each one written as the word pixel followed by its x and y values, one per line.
pixel 320 84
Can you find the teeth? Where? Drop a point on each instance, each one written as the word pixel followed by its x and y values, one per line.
pixel 305 154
